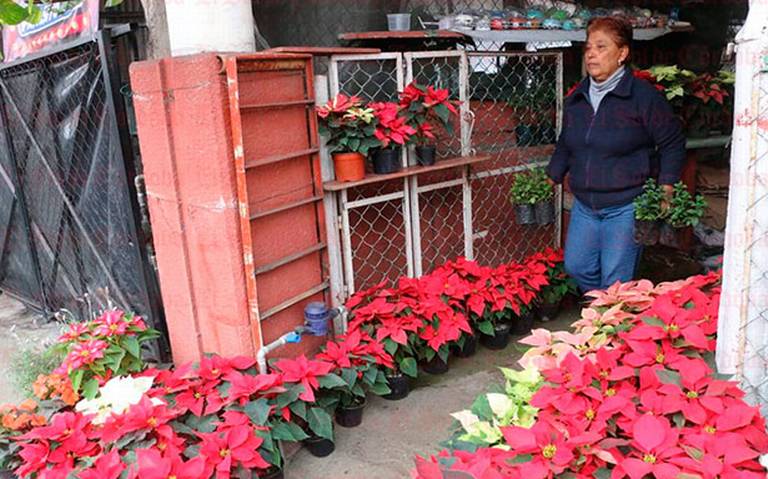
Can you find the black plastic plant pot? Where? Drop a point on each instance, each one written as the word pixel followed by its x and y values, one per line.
pixel 668 236
pixel 386 160
pixel 647 232
pixel 545 212
pixel 525 214
pixel 350 416
pixel 549 311
pixel 274 473
pixel 435 366
pixel 426 154
pixel 400 387
pixel 468 350
pixel 319 446
pixel 523 324
pixel 499 340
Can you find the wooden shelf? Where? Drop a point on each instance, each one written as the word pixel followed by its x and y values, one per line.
pixel 405 172
pixel 411 34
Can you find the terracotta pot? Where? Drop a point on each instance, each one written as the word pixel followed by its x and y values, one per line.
pixel 349 166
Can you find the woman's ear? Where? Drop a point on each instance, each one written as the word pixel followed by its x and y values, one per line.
pixel 624 54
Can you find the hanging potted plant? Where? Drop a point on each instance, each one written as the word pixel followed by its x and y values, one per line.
pixel 423 106
pixel 544 203
pixel 393 133
pixel 522 194
pixel 684 211
pixel 648 213
pixel 355 358
pixel 349 130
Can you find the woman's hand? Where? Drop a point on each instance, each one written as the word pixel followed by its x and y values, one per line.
pixel 667 200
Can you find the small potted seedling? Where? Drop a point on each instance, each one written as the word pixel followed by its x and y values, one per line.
pixel 648 214
pixel 544 203
pixel 523 197
pixel 684 211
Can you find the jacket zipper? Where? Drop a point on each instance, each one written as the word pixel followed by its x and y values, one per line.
pixel 589 155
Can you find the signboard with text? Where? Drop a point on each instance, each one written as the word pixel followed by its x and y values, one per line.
pixel 56 25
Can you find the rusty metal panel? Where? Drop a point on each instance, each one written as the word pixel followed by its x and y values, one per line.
pixel 279 185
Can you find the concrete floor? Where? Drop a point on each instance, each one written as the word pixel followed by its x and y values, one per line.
pixel 393 432
pixel 20 328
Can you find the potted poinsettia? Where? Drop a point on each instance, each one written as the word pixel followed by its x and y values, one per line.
pixel 298 417
pixel 425 106
pixel 359 363
pixel 392 132
pixel 648 213
pixel 559 285
pixel 349 130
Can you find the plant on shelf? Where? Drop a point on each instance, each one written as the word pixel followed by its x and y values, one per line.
pixel 392 132
pixel 349 129
pixel 709 98
pixel 648 213
pixel 423 107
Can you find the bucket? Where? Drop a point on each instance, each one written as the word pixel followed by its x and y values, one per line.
pixel 316 317
pixel 399 22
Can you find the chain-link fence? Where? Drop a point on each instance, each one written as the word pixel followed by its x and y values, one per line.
pixel 509 113
pixel 752 369
pixel 68 221
pixel 320 22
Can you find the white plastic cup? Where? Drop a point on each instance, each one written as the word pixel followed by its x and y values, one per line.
pixel 399 22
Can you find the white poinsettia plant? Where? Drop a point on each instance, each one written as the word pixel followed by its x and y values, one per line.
pixel 480 425
pixel 115 397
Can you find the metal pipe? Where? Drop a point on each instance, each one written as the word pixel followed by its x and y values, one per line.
pixel 287 338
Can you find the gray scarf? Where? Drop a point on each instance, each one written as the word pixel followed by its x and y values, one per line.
pixel 597 90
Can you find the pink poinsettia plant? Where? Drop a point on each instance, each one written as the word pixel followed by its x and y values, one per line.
pixel 643 402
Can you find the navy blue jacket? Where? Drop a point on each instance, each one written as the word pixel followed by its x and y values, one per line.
pixel 633 136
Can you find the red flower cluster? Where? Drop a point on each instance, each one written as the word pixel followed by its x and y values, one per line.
pixel 646 405
pixel 423 105
pixel 423 316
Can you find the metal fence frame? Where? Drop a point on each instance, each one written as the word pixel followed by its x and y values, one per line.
pixel 80 290
pixel 409 194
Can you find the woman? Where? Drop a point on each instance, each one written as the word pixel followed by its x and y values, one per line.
pixel 617 132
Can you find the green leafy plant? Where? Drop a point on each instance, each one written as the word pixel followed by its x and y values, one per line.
pixel 648 204
pixel 530 187
pixel 684 209
pixel 30 363
pixel 480 426
pixel 560 284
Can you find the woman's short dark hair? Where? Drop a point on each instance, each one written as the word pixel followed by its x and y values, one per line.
pixel 618 28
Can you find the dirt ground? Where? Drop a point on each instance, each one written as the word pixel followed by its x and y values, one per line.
pixel 20 328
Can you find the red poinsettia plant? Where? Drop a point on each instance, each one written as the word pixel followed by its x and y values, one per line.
pixel 108 346
pixel 425 107
pixel 646 405
pixel 347 124
pixel 391 127
pixel 359 362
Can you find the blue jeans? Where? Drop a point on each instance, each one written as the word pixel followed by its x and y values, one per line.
pixel 600 248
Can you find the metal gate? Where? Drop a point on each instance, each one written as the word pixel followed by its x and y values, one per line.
pixel 69 217
pixel 407 225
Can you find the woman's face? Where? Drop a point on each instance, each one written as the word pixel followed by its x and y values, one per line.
pixel 602 55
